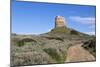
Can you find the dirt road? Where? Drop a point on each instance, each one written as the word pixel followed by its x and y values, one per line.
pixel 77 53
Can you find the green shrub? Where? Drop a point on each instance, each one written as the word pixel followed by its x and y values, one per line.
pixel 56 38
pixel 90 45
pixel 73 32
pixel 26 41
pixel 20 43
pixel 53 53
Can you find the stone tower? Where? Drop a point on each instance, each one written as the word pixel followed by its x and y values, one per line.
pixel 59 21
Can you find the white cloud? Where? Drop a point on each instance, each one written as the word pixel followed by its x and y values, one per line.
pixel 83 20
pixel 90 33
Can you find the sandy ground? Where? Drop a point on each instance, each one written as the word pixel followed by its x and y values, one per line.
pixel 77 53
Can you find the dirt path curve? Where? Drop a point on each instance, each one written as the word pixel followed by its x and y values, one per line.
pixel 77 53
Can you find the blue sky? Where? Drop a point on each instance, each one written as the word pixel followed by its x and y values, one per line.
pixel 37 18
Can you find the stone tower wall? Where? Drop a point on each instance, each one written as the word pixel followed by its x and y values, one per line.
pixel 59 21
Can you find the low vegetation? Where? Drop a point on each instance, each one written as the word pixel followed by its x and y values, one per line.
pixel 53 53
pixel 25 41
pixel 56 38
pixel 59 30
pixel 73 32
pixel 38 50
pixel 47 48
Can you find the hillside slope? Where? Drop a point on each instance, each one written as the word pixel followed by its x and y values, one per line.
pixel 50 47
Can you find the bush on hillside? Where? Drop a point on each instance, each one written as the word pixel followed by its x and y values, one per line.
pixel 53 53
pixel 26 41
pixel 74 32
pixel 90 45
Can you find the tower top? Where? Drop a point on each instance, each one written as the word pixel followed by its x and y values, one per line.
pixel 59 21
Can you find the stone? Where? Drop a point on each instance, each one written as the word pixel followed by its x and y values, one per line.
pixel 59 21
